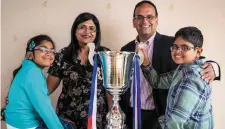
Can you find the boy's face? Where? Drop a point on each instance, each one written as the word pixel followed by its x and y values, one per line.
pixel 184 52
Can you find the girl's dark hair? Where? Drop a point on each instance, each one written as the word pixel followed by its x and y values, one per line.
pixel 35 41
pixel 73 47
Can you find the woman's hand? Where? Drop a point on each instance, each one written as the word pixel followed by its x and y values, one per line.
pixel 91 53
pixel 52 83
pixel 6 100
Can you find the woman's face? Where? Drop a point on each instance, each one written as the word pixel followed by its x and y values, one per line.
pixel 44 54
pixel 86 33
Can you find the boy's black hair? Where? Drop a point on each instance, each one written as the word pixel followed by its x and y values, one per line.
pixel 191 34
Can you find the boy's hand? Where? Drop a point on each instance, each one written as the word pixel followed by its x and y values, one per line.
pixel 208 72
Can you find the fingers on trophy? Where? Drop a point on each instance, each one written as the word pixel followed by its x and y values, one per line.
pixel 142 52
pixel 139 50
pixel 91 47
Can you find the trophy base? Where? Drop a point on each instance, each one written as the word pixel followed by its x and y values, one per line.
pixel 115 117
pixel 110 127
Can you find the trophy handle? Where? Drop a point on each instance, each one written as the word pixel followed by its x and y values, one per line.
pixel 91 53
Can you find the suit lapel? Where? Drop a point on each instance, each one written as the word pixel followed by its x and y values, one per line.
pixel 156 52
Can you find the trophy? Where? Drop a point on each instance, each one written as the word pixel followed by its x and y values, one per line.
pixel 117 68
pixel 117 72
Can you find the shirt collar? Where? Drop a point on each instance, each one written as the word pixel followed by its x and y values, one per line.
pixel 150 40
pixel 30 63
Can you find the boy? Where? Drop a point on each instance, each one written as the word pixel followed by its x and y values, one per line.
pixel 189 98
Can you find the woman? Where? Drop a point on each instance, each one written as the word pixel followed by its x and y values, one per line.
pixel 72 66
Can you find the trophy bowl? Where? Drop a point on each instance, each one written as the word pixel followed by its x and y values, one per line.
pixel 117 72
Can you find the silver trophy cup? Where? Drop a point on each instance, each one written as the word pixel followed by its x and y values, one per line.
pixel 117 72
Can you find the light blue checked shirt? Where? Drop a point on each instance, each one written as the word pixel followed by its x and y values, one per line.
pixel 189 99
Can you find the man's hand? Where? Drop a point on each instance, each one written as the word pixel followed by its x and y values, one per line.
pixel 208 73
pixel 146 62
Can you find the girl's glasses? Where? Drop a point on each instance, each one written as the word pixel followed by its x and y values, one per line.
pixel 45 50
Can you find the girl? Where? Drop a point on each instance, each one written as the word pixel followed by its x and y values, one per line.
pixel 29 101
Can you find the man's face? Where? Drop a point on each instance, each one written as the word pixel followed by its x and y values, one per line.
pixel 145 20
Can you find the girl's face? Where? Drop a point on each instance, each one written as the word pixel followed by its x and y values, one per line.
pixel 44 54
pixel 86 32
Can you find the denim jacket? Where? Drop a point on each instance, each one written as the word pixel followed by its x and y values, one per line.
pixel 189 99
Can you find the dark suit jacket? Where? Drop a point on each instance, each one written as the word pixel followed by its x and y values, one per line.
pixel 162 62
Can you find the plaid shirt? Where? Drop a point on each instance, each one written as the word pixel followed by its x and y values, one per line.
pixel 189 99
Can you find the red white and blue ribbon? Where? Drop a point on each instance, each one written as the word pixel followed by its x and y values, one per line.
pixel 136 94
pixel 92 109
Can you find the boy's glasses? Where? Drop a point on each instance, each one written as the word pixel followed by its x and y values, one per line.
pixel 182 48
pixel 141 17
pixel 46 50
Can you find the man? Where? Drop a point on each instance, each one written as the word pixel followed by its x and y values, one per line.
pixel 153 101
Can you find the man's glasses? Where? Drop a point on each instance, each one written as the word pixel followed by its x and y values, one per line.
pixel 182 48
pixel 92 29
pixel 45 50
pixel 141 17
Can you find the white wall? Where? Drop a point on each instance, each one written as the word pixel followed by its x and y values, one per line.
pixel 22 19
